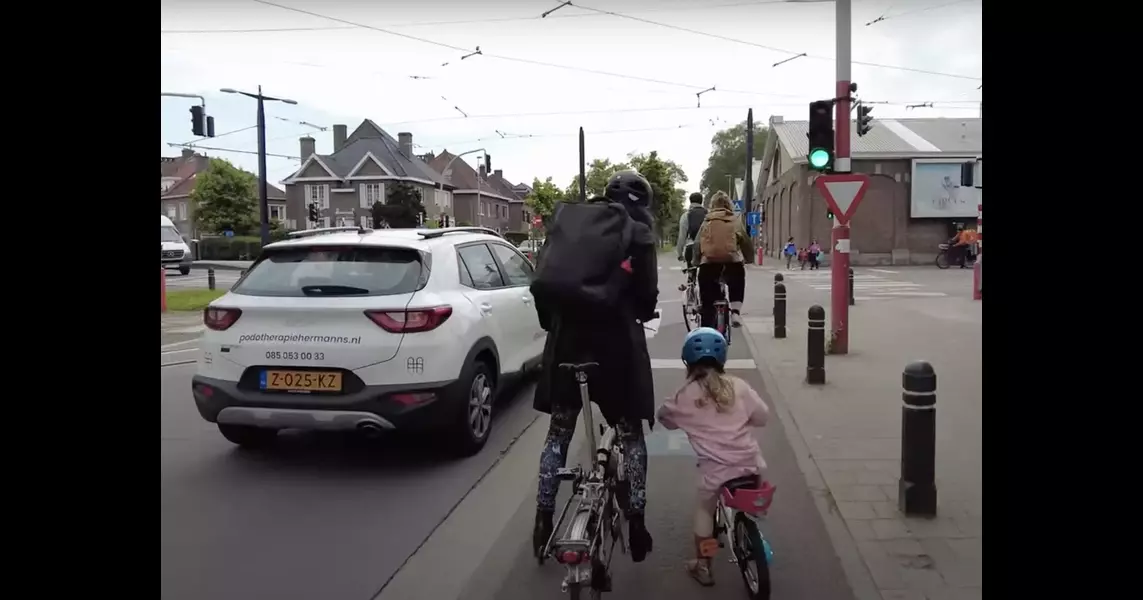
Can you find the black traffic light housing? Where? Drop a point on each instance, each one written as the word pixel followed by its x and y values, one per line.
pixel 198 121
pixel 864 121
pixel 488 163
pixel 210 126
pixel 314 212
pixel 821 133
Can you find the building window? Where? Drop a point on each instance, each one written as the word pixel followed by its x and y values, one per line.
pixel 172 212
pixel 278 212
pixel 182 211
pixel 482 209
pixel 319 195
pixel 442 198
pixel 325 221
pixel 372 193
pixel 367 222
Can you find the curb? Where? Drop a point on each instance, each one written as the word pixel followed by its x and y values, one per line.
pixel 201 265
pixel 856 571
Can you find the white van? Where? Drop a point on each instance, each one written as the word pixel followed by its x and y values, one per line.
pixel 176 253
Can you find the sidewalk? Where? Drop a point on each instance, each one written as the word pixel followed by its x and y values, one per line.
pixel 850 432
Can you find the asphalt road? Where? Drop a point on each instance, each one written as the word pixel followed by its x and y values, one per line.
pixel 197 279
pixel 343 519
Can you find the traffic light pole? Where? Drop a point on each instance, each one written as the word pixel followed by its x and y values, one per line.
pixel 839 263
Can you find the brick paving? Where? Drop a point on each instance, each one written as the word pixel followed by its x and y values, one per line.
pixel 850 429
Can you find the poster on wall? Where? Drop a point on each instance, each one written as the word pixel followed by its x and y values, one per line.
pixel 936 191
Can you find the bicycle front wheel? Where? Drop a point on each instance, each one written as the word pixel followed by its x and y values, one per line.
pixel 690 309
pixel 753 560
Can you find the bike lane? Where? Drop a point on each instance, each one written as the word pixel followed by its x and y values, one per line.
pixel 806 565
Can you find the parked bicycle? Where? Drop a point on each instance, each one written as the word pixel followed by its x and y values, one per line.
pixel 943 257
pixel 743 504
pixel 600 502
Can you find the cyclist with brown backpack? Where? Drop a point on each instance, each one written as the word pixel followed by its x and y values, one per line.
pixel 723 249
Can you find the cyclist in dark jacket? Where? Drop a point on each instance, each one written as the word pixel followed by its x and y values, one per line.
pixel 689 225
pixel 622 385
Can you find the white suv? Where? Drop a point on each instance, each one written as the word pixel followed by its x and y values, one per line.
pixel 370 330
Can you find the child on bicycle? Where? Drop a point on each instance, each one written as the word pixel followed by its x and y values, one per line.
pixel 718 412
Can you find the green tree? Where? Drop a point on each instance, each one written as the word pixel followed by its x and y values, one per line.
pixel 403 205
pixel 545 194
pixel 728 157
pixel 664 177
pixel 225 198
pixel 597 173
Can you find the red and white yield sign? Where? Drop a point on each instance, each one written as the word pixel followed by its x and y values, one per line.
pixel 537 221
pixel 843 192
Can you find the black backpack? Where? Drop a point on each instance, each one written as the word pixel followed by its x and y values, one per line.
pixel 695 218
pixel 581 266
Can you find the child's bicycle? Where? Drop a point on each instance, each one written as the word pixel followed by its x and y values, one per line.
pixel 601 497
pixel 722 312
pixel 742 504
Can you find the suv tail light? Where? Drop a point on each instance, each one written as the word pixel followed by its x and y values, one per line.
pixel 220 319
pixel 410 320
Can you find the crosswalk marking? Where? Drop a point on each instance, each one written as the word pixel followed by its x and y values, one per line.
pixel 866 286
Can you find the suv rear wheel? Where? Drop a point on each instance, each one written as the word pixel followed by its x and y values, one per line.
pixel 248 436
pixel 473 422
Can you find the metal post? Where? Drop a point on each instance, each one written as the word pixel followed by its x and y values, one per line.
pixel 210 278
pixel 917 489
pixel 779 308
pixel 815 355
pixel 839 256
pixel 852 300
pixel 582 166
pixel 263 191
pixel 163 287
pixel 748 185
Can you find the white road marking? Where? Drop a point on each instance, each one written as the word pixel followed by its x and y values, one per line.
pixel 882 271
pixel 183 351
pixel 176 344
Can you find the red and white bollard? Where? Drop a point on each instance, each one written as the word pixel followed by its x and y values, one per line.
pixel 976 268
pixel 163 287
pixel 761 252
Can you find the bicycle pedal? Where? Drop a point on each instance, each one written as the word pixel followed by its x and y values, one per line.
pixel 566 474
pixel 682 288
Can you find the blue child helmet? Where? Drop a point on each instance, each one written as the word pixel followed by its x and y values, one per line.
pixel 704 342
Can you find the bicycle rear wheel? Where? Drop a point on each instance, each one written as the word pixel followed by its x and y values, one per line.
pixel 690 308
pixel 753 561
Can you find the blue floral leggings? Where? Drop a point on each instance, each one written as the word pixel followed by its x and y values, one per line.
pixel 554 457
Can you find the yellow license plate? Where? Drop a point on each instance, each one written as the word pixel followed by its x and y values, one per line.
pixel 301 381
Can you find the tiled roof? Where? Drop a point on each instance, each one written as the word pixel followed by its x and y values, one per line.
pixel 462 176
pixel 187 168
pixel 369 138
pixel 504 187
pixel 906 137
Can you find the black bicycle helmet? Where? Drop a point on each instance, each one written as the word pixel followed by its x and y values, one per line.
pixel 629 187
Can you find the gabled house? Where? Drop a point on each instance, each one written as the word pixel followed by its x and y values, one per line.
pixel 477 202
pixel 519 216
pixel 179 176
pixel 911 205
pixel 345 184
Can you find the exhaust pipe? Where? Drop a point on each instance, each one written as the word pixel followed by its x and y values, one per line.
pixel 369 429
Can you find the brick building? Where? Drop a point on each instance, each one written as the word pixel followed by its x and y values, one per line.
pixel 913 200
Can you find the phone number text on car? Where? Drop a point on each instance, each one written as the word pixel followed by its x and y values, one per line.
pixel 279 355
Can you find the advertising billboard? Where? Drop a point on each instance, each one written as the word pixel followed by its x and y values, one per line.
pixel 935 190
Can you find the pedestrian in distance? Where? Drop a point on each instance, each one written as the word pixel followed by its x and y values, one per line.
pixel 718 413
pixel 791 250
pixel 814 254
pixel 596 282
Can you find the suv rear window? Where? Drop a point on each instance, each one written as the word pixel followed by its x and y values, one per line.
pixel 336 271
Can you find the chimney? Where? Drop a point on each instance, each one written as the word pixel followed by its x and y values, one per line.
pixel 338 137
pixel 187 152
pixel 499 173
pixel 405 142
pixel 483 173
pixel 307 146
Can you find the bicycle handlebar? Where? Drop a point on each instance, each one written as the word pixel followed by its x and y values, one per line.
pixel 578 366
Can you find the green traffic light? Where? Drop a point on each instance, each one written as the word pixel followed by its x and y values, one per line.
pixel 819 158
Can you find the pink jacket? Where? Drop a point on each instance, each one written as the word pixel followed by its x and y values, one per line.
pixel 720 439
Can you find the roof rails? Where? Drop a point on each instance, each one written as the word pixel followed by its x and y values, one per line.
pixel 324 230
pixel 436 233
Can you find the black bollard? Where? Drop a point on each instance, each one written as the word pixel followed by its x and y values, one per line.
pixel 779 309
pixel 852 300
pixel 210 278
pixel 917 488
pixel 815 357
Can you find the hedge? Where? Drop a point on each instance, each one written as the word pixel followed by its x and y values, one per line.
pixel 230 248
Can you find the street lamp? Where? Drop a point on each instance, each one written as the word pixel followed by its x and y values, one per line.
pixel 263 189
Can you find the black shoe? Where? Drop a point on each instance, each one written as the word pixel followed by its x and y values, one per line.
pixel 541 533
pixel 639 539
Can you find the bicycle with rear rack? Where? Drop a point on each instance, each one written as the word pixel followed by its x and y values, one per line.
pixel 692 304
pixel 742 505
pixel 597 506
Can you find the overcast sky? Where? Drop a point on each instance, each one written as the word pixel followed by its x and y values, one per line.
pixel 340 68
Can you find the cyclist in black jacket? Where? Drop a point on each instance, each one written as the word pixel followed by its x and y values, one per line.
pixel 689 225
